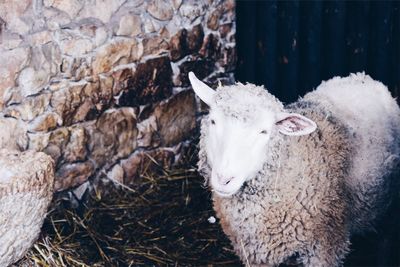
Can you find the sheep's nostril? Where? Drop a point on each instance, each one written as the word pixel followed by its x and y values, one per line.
pixel 224 180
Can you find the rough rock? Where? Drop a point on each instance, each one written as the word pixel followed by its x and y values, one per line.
pixel 31 81
pixel 77 47
pixel 75 150
pixel 151 82
pixel 225 29
pixel 202 68
pixel 228 58
pixel 151 25
pixel 71 7
pixel 148 133
pixel 45 122
pixel 121 77
pixel 67 100
pixel 144 162
pixel 211 47
pixel 113 136
pixel 213 20
pixel 177 4
pixel 100 36
pixel 192 9
pixel 176 118
pixel 71 175
pixel 160 9
pixel 112 54
pixel 104 9
pixel 92 82
pixel 12 12
pixel 195 38
pixel 26 190
pixel 116 174
pixel 155 46
pixel 130 25
pixel 29 108
pixel 57 140
pixel 15 137
pixel 12 62
pixel 40 38
pixel 184 43
pixel 8 41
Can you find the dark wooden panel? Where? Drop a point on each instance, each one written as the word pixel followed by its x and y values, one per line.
pixel 291 46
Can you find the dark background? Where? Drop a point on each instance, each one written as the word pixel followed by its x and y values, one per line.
pixel 290 47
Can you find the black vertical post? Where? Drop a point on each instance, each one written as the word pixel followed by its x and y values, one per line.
pixel 246 47
pixel 288 52
pixel 267 44
pixel 310 45
pixel 358 23
pixel 334 39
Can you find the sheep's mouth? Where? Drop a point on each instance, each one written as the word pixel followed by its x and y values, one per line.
pixel 224 193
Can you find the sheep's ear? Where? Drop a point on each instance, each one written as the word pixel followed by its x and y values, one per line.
pixel 295 124
pixel 202 90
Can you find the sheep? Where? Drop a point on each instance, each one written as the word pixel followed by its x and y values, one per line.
pixel 26 189
pixel 293 183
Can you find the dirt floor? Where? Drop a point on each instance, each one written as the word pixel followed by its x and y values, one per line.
pixel 163 221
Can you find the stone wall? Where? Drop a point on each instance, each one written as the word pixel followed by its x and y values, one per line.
pixel 101 85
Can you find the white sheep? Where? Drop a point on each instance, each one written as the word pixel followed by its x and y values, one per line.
pixel 293 183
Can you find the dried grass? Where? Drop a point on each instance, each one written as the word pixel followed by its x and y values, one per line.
pixel 160 221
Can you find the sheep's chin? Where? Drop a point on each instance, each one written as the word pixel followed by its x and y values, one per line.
pixel 225 194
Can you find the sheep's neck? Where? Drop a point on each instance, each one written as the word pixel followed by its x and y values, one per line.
pixel 269 180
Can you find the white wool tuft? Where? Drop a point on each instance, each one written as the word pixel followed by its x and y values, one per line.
pixel 370 113
pixel 246 100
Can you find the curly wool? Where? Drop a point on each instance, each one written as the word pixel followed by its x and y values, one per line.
pixel 304 200
pixel 26 190
pixel 242 101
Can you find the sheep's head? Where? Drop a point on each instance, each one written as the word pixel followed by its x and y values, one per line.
pixel 239 127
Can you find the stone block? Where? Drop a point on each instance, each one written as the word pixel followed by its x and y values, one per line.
pixel 112 136
pixel 213 19
pixel 176 118
pixel 160 9
pixel 146 162
pixel 185 42
pixel 151 82
pixel 12 62
pixel 12 134
pixel 75 149
pixel 201 66
pixel 71 175
pixel 130 25
pixel 111 54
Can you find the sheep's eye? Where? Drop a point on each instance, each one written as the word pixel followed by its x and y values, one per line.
pixel 263 132
pixel 213 122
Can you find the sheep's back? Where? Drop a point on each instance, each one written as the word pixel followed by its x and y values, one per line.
pixel 372 118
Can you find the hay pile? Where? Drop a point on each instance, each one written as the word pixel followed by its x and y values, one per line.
pixel 161 221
